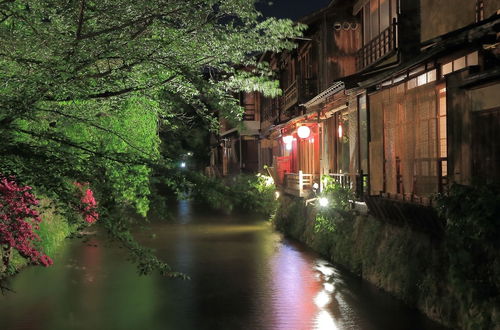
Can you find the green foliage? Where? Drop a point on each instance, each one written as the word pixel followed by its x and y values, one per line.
pixel 324 224
pixel 87 86
pixel 243 193
pixel 338 203
pixel 472 216
pixel 337 195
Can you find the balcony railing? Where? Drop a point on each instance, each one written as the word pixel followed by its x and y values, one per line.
pixel 378 48
pixel 356 182
pixel 290 96
pixel 299 184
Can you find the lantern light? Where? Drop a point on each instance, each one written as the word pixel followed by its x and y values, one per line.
pixel 341 133
pixel 288 146
pixel 303 132
pixel 323 202
pixel 287 139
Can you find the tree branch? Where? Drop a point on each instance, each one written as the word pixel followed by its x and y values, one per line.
pixel 99 127
pixel 80 20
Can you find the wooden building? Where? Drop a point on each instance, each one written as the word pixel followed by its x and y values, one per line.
pixel 399 99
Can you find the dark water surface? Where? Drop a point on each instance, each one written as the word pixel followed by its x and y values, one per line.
pixel 243 276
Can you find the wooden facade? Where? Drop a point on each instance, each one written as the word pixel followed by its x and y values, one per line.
pixel 399 105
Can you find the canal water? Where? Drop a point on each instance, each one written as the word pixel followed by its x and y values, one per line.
pixel 243 276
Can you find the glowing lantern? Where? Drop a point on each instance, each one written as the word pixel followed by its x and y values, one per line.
pixel 287 139
pixel 303 132
pixel 340 131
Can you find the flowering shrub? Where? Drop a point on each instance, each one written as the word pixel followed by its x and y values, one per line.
pixel 18 222
pixel 89 205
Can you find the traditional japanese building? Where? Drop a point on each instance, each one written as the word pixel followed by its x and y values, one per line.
pixel 395 99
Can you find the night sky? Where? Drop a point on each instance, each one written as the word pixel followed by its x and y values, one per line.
pixel 292 9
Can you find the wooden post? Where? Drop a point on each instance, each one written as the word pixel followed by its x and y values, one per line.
pixel 301 183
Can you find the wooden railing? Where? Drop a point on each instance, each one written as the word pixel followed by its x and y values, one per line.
pixel 357 182
pixel 249 115
pixel 377 48
pixel 290 96
pixel 299 184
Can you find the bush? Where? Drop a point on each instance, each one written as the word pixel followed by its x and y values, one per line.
pixel 472 229
pixel 243 193
pixel 54 228
pixel 339 203
pixel 338 196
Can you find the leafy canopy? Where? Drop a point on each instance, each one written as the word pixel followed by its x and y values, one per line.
pixel 85 87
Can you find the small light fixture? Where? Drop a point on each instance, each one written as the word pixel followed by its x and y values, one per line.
pixel 340 131
pixel 287 139
pixel 276 194
pixel 315 186
pixel 323 202
pixel 303 132
pixel 183 164
pixel 288 146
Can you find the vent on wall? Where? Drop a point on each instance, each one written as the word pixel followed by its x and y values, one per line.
pixel 345 26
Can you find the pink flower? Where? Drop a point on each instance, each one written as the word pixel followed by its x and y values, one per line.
pixel 19 219
pixel 89 205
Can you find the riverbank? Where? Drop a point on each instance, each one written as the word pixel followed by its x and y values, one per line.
pixel 53 230
pixel 410 265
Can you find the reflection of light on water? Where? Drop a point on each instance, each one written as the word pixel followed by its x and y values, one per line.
pixel 293 291
pixel 325 321
pixel 324 269
pixel 328 287
pixel 184 211
pixel 322 299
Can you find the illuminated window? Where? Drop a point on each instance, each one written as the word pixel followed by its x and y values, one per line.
pixel 459 63
pixel 472 59
pixel 422 79
pixel 412 83
pixel 447 68
pixel 431 76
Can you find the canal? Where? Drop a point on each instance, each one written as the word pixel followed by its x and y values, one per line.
pixel 243 276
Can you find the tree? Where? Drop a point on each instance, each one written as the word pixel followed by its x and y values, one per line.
pixel 86 85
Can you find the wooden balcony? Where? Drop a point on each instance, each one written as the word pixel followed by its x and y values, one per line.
pixel 377 48
pixel 299 184
pixel 290 96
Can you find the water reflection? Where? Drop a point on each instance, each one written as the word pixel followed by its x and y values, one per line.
pixel 243 276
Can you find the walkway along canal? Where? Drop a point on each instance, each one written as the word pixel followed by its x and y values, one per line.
pixel 243 276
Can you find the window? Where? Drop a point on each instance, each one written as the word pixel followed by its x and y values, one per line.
pixel 342 142
pixel 460 63
pixel 377 17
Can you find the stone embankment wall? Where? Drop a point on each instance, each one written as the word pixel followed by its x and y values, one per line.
pixel 408 264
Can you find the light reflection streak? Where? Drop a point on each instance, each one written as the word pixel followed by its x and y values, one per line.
pixel 300 303
pixel 325 321
pixel 322 299
pixel 293 306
